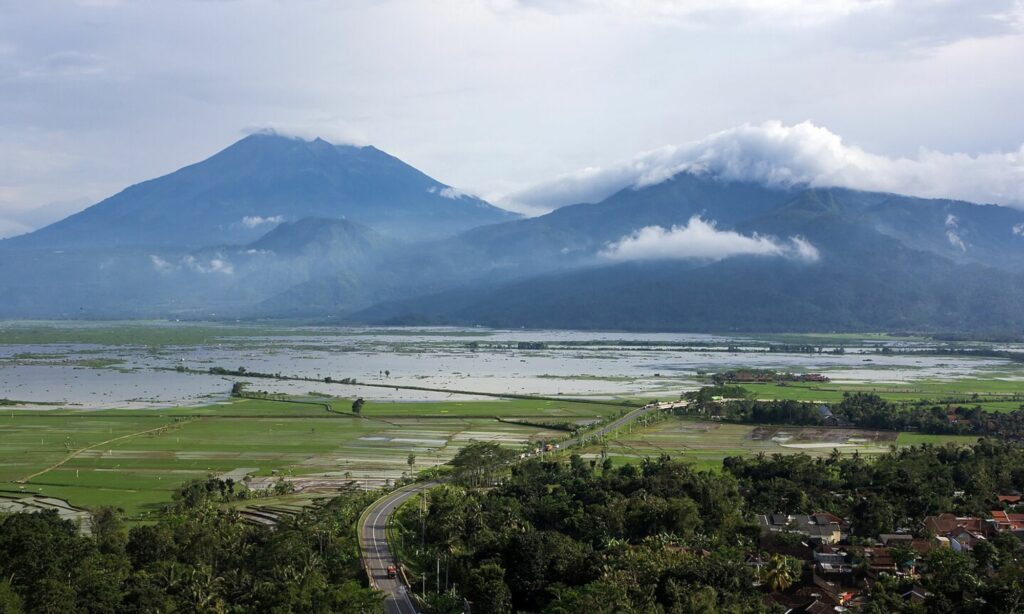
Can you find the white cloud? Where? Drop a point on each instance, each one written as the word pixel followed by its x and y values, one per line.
pixel 131 91
pixel 67 64
pixel 219 265
pixel 160 264
pixel 452 193
pixel 952 227
pixel 252 221
pixel 334 132
pixel 779 155
pixel 449 192
pixel 1018 229
pixel 12 228
pixel 216 264
pixel 793 13
pixel 700 239
pixel 802 249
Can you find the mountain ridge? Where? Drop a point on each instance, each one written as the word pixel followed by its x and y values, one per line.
pixel 870 259
pixel 236 194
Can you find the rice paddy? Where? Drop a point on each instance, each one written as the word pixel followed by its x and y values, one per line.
pixel 123 413
pixel 707 443
pixel 136 459
pixel 993 394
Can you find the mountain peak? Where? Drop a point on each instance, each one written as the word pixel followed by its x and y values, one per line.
pixel 264 178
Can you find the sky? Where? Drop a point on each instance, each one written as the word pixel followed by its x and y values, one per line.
pixel 531 104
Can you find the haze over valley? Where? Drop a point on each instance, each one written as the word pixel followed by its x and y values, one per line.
pixel 281 227
pixel 512 307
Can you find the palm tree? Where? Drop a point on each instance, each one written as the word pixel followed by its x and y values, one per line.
pixel 779 574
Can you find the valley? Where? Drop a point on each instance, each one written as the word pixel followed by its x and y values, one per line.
pixel 275 228
pixel 512 307
pixel 108 414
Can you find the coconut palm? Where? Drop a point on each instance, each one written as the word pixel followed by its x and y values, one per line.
pixel 779 573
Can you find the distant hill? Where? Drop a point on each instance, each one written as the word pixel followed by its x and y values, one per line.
pixel 882 285
pixel 243 191
pixel 226 280
pixel 322 238
pixel 274 227
pixel 887 262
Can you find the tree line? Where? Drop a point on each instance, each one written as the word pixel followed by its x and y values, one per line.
pixel 859 409
pixel 197 557
pixel 662 536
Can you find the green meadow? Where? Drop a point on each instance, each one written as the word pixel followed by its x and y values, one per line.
pixel 992 394
pixel 135 459
pixel 706 443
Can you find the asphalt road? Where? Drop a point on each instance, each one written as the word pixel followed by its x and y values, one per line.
pixel 633 415
pixel 373 542
pixel 373 539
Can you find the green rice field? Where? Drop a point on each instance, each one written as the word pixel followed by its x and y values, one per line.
pixel 135 459
pixel 707 443
pixel 991 394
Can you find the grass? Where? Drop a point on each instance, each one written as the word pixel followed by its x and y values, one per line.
pixel 916 439
pixel 165 332
pixel 991 394
pixel 130 333
pixel 140 467
pixel 707 443
pixel 513 408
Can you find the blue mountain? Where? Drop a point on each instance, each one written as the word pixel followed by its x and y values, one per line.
pixel 240 193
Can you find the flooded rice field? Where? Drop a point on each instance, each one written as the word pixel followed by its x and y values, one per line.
pixel 124 372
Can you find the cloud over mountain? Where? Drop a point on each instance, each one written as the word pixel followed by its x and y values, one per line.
pixel 252 221
pixel 779 155
pixel 700 239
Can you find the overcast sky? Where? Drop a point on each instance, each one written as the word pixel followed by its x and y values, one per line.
pixel 499 97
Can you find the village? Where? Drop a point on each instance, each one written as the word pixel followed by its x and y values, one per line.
pixel 839 570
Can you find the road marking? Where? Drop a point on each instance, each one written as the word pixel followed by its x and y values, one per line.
pixel 376 538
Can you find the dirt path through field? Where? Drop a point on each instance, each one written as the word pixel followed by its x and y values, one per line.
pixel 96 445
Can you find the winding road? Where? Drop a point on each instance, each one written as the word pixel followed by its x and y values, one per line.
pixel 373 538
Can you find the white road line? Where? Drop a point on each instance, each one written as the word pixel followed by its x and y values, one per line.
pixel 377 536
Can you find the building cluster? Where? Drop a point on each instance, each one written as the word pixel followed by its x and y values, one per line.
pixel 837 572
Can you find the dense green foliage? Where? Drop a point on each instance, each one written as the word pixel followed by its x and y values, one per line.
pixel 562 538
pixel 197 558
pixel 892 490
pixel 664 537
pixel 479 463
pixel 864 410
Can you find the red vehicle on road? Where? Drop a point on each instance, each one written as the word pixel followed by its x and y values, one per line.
pixel 392 572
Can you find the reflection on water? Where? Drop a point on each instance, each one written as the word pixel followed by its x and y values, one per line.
pixel 572 363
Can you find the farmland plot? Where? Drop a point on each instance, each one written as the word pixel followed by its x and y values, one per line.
pixel 136 459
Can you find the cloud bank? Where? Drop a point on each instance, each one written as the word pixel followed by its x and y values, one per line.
pixel 252 221
pixel 781 156
pixel 700 239
pixel 216 264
